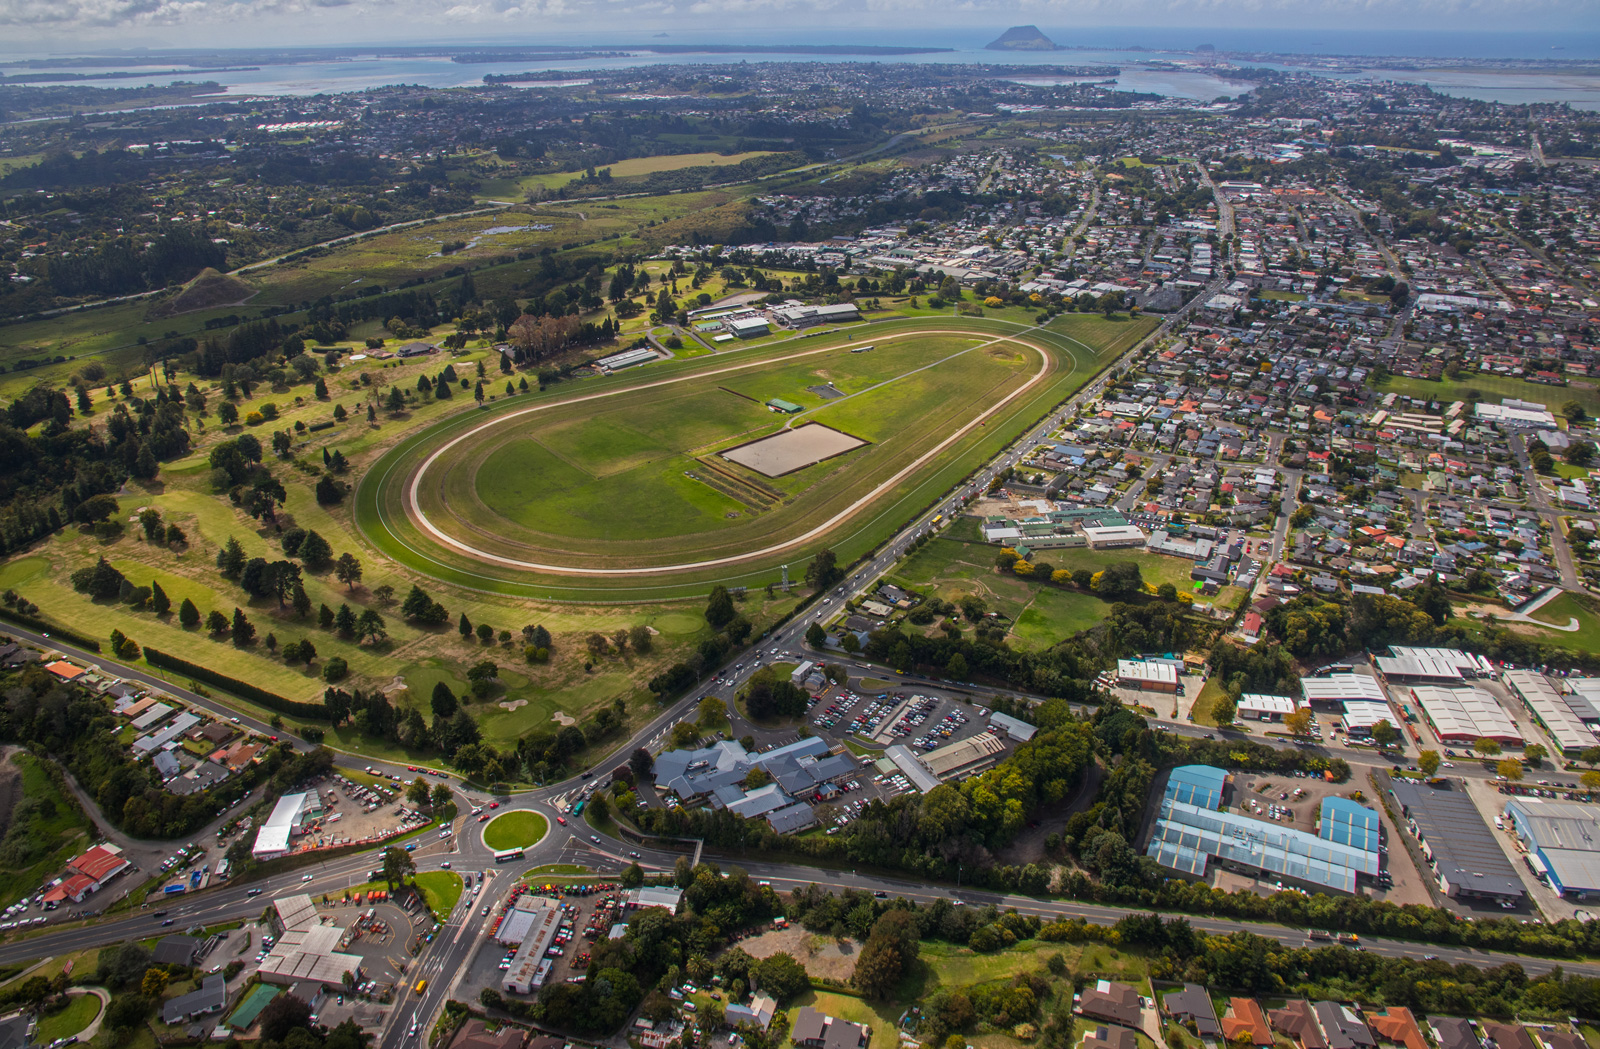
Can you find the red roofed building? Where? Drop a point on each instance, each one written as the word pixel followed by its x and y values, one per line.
pixel 74 887
pixel 1252 626
pixel 64 670
pixel 1246 1023
pixel 100 864
pixel 1397 1025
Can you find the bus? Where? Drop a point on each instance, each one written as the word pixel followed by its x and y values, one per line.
pixel 422 985
pixel 507 855
pixel 578 808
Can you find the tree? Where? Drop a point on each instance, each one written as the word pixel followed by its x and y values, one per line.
pixel 485 676
pixel 160 603
pixel 485 633
pixel 824 570
pixel 957 667
pixel 345 621
pixel 712 711
pixel 719 607
pixel 244 631
pixel 684 733
pixel 329 491
pixel 1590 779
pixel 419 792
pixel 1580 453
pixel 1486 747
pixel 315 552
pixel 1428 762
pixel 816 637
pixel 336 669
pixel 348 570
pixel 1509 769
pixel 639 637
pixel 1298 721
pixel 217 623
pixel 642 764
pixel 633 877
pixel 397 864
pixel 1121 579
pixel 443 701
pixel 370 626
pixel 1385 734
pixel 441 796
pixel 1534 753
pixel 1224 710
pixel 464 627
pixel 188 614
pixel 154 983
pixel 1574 412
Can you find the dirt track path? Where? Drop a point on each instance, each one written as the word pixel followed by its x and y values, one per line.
pixel 414 508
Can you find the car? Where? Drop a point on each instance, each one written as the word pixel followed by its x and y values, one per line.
pixel 880 895
pixel 234 720
pixel 586 775
pixel 561 820
pixel 484 818
pixel 254 892
pixel 486 912
pixel 308 877
pixel 273 738
pixel 167 922
pixel 445 865
pixel 411 768
pixel 494 804
pixel 595 838
pixel 635 855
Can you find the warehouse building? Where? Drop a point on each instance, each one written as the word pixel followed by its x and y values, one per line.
pixel 963 758
pixel 1150 675
pixel 1563 841
pixel 1332 689
pixel 1427 666
pixel 748 327
pixel 1254 706
pixel 529 966
pixel 1461 850
pixel 1362 715
pixel 310 953
pixel 794 315
pixel 1465 715
pixel 289 815
pixel 1552 711
pixel 1189 836
pixel 527 914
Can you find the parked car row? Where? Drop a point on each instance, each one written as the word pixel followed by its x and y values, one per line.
pixel 947 726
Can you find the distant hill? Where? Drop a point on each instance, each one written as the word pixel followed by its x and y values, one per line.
pixel 1022 38
pixel 208 290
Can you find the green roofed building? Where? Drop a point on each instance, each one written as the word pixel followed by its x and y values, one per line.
pixel 778 404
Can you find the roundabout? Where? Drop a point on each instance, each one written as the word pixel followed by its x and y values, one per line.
pixel 658 482
pixel 515 829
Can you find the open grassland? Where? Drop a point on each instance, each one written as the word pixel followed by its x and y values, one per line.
pixel 959 564
pixel 507 188
pixel 80 1011
pixel 576 457
pixel 441 889
pixel 1491 389
pixel 58 832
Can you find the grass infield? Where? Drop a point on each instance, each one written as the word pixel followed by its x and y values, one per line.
pixel 514 830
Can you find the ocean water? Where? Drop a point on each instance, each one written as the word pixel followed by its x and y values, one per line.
pixel 1143 54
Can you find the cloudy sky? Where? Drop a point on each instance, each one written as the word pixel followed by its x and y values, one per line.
pixel 56 26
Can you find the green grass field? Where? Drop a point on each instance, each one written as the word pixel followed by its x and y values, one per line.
pixel 441 889
pixel 514 830
pixel 80 1013
pixel 57 838
pixel 1493 388
pixel 544 488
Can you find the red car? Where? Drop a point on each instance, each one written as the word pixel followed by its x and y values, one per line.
pixel 561 820
pixel 411 768
pixel 494 804
pixel 484 818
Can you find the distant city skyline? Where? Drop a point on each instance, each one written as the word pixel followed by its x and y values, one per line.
pixel 57 26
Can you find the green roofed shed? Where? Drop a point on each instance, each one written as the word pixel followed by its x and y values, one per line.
pixel 786 407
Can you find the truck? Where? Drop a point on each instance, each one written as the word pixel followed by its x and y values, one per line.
pixel 1319 934
pixel 173 890
pixel 1350 939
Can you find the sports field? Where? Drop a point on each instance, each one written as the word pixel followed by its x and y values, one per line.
pixel 620 486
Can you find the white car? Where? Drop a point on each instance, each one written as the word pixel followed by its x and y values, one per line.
pixel 306 878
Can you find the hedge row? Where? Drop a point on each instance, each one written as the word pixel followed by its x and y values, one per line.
pixel 54 631
pixel 270 700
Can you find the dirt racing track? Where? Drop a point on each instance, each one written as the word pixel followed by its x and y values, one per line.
pixel 421 503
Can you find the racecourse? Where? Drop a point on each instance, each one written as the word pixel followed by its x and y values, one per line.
pixel 615 488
